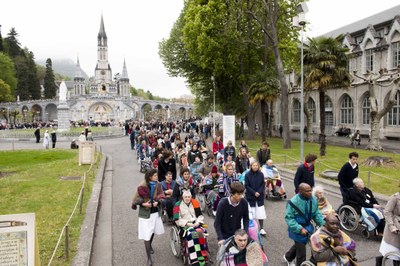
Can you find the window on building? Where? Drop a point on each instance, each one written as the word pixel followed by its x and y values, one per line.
pixel 395 54
pixel 346 111
pixel 296 111
pixel 394 114
pixel 312 109
pixel 366 107
pixel 369 60
pixel 328 112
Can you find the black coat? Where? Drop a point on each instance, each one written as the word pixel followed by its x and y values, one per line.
pixel 254 182
pixel 164 167
pixel 304 174
pixel 361 198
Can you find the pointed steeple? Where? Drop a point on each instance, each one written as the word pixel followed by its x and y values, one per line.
pixel 124 72
pixel 78 73
pixel 102 31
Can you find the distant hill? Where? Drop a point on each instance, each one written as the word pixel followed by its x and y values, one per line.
pixel 65 67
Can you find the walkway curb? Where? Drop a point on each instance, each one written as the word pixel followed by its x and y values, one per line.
pixel 87 233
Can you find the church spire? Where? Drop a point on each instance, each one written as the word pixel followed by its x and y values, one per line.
pixel 124 72
pixel 78 73
pixel 102 36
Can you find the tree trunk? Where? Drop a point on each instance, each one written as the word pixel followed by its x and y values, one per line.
pixel 263 127
pixel 308 120
pixel 322 140
pixel 271 117
pixel 284 89
pixel 373 144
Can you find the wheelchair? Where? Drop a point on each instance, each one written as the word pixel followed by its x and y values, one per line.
pixel 391 258
pixel 179 244
pixel 350 219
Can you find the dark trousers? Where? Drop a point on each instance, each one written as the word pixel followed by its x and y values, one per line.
pixel 169 205
pixel 345 193
pixel 37 139
pixel 298 252
pixel 54 145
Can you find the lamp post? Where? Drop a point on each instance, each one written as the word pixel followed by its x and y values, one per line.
pixel 300 21
pixel 213 90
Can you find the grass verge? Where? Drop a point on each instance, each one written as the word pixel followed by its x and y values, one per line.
pixel 383 180
pixel 31 182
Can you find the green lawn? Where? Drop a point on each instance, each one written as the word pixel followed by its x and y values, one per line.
pixel 384 180
pixel 31 182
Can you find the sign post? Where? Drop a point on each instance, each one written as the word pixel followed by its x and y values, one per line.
pixel 18 242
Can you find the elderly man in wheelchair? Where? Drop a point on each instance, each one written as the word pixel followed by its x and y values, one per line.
pixel 331 246
pixel 188 235
pixel 240 249
pixel 362 207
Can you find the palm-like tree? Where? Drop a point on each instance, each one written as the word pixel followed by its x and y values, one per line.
pixel 325 67
pixel 263 92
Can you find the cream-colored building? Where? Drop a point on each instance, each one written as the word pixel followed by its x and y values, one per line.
pixel 374 44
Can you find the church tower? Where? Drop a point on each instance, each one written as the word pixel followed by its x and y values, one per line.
pixel 79 81
pixel 103 73
pixel 124 87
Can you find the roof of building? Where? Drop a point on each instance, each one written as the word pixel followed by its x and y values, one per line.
pixel 379 18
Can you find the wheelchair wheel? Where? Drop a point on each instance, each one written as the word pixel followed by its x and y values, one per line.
pixel 348 218
pixel 391 258
pixel 365 233
pixel 267 195
pixel 175 242
pixel 307 263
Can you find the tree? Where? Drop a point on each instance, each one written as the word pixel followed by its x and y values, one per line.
pixel 5 92
pixel 372 79
pixel 49 82
pixel 272 16
pixel 7 72
pixel 325 67
pixel 262 92
pixel 13 45
pixel 1 42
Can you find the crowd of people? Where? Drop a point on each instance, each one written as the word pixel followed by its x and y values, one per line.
pixel 185 170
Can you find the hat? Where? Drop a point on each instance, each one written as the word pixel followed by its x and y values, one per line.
pixel 214 170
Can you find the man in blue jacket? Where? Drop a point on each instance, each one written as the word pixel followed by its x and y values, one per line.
pixel 300 211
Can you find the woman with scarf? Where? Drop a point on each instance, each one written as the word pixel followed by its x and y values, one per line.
pixel 148 197
pixel 188 216
pixel 224 182
pixel 331 246
pixel 323 204
pixel 184 181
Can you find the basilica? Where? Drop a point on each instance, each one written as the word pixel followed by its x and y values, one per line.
pixel 105 97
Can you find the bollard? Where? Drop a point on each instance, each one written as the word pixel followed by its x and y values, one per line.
pixel 13 148
pixel 369 179
pixel 66 243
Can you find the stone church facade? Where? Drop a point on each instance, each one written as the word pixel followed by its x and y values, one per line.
pixel 374 44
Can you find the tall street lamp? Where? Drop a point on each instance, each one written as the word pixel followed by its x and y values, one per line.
pixel 213 82
pixel 300 21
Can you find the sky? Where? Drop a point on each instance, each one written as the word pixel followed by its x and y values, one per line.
pixel 68 29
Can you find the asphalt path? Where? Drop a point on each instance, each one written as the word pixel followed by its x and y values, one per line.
pixel 128 250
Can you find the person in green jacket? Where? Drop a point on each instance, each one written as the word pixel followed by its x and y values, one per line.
pixel 300 211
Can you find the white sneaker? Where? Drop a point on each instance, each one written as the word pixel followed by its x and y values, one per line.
pixel 262 232
pixel 214 213
pixel 289 263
